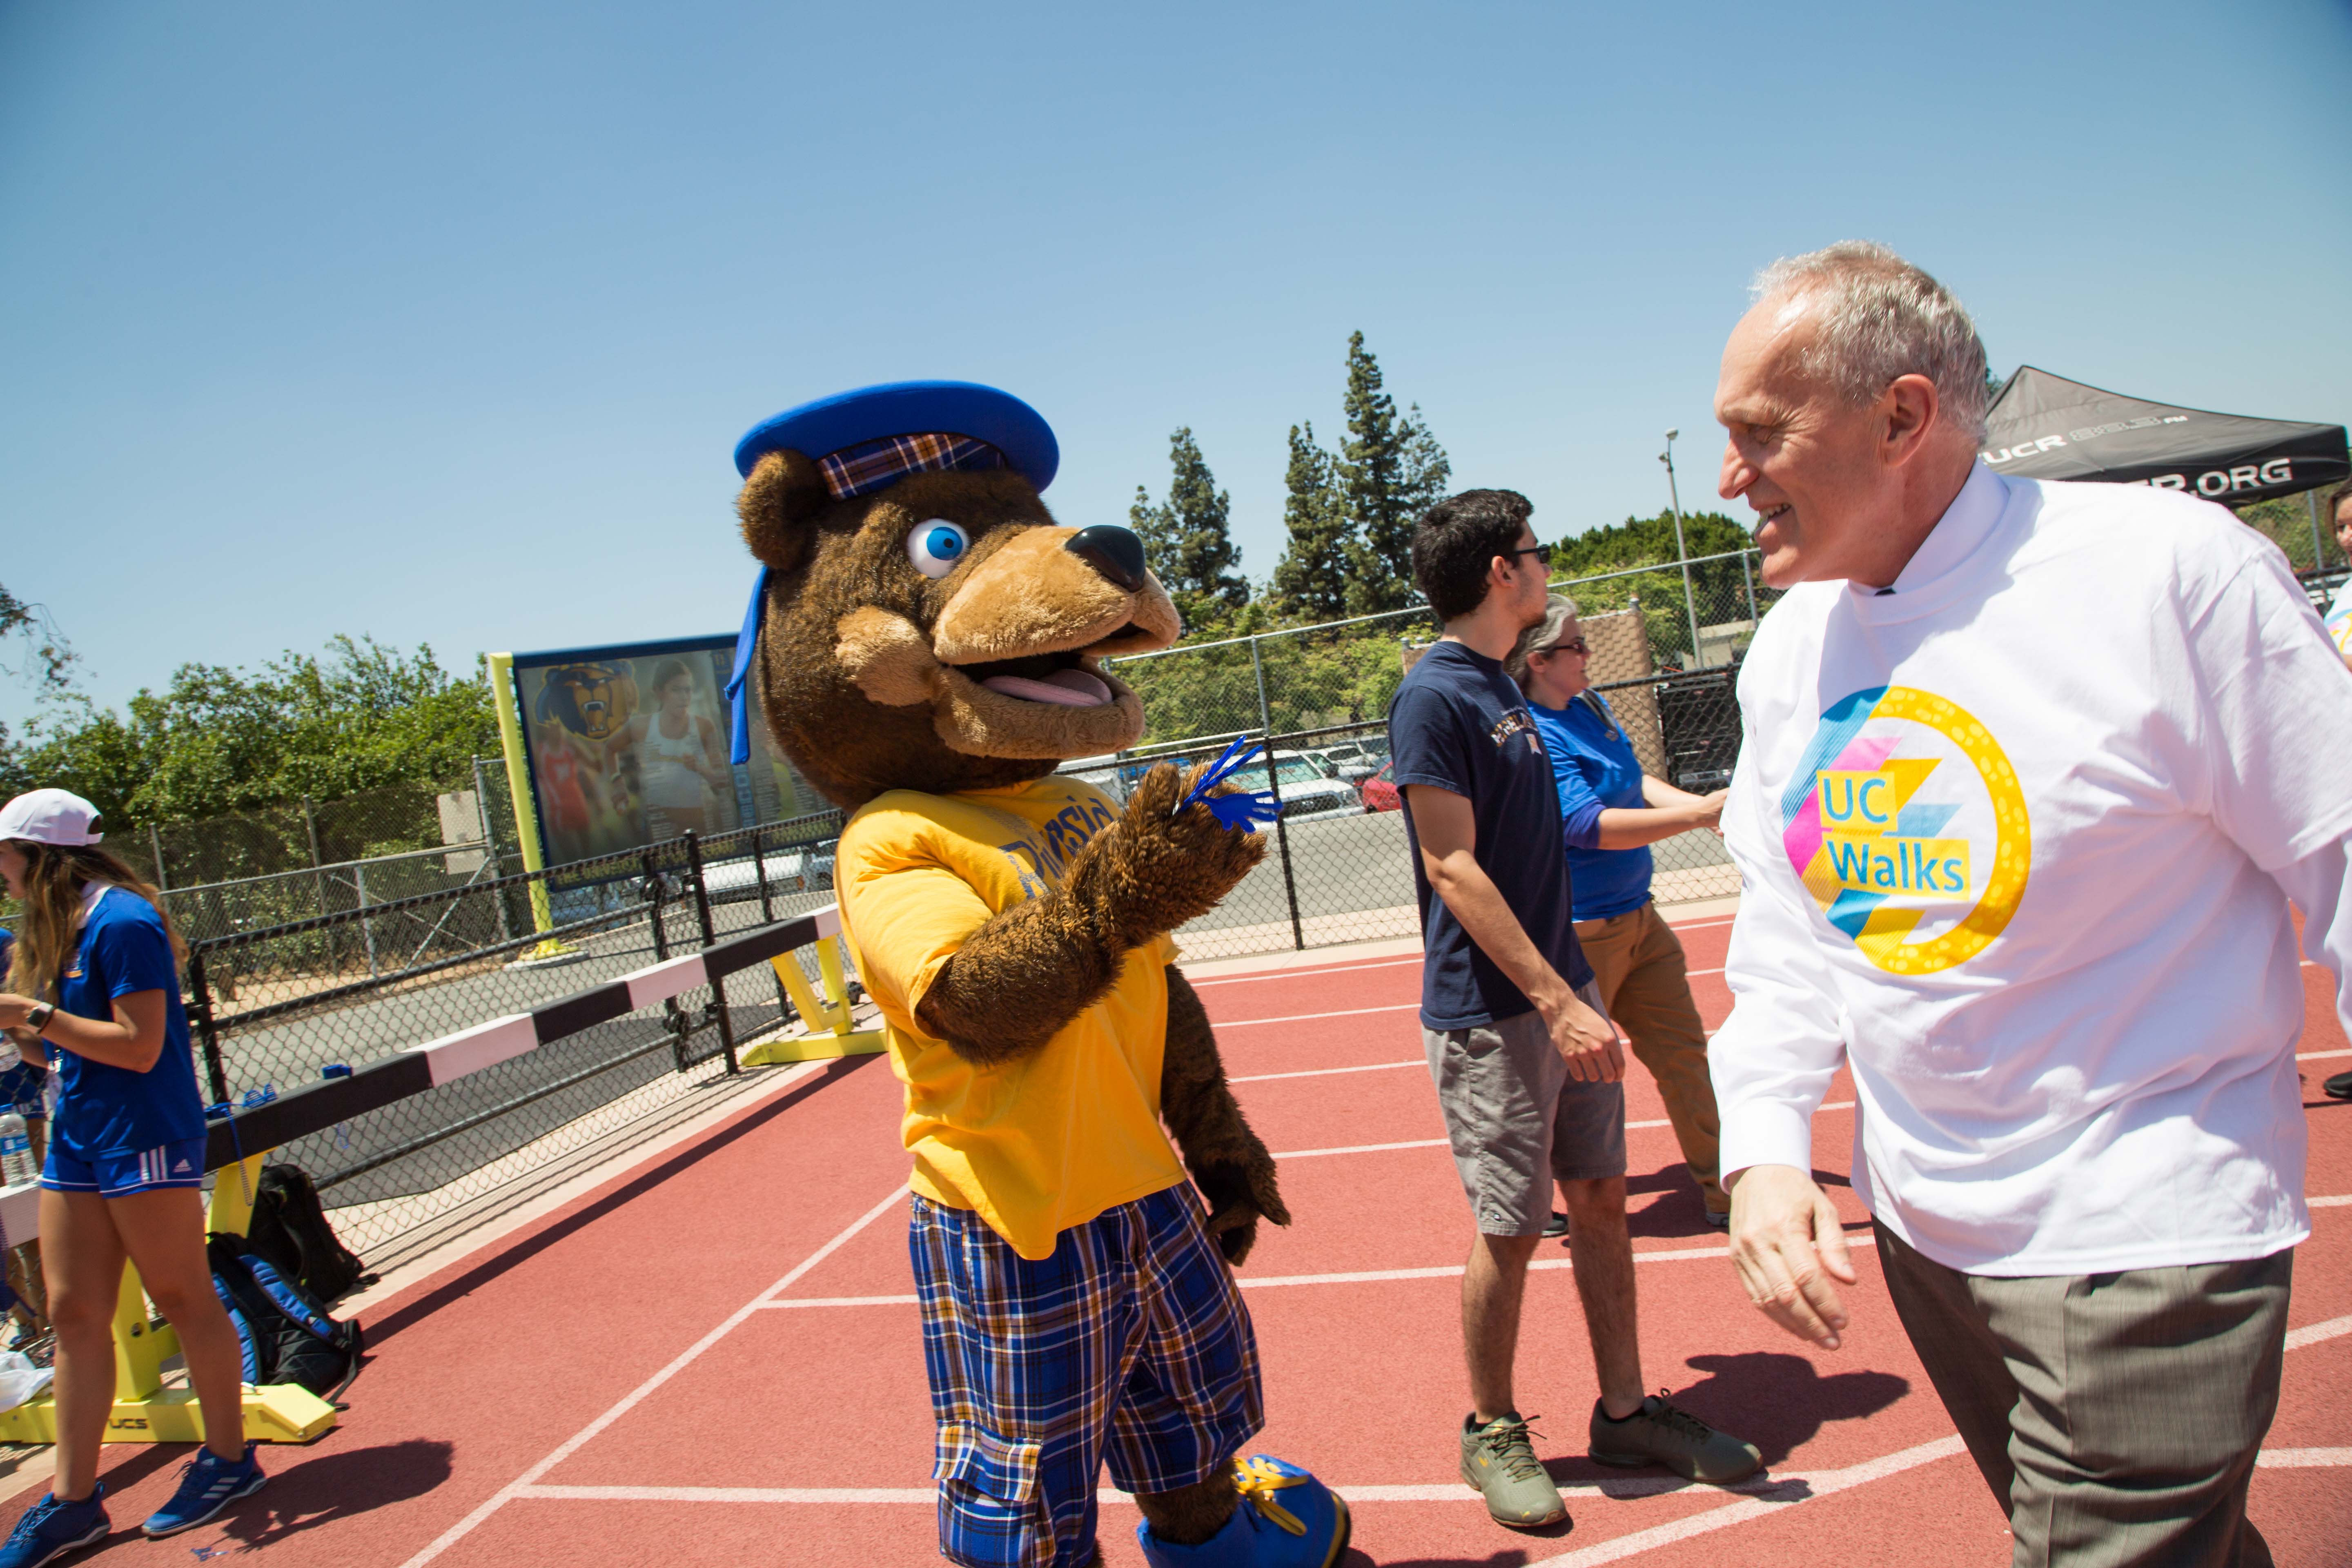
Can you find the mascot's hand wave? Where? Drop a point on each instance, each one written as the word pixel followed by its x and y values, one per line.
pixel 925 643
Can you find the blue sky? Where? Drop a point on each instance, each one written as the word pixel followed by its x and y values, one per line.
pixel 439 322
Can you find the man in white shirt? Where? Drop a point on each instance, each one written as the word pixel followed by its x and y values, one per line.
pixel 2030 772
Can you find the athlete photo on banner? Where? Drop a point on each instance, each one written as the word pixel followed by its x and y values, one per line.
pixel 627 745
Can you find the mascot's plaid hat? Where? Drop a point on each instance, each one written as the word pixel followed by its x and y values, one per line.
pixel 869 439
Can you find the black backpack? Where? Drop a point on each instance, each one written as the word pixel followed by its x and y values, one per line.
pixel 285 1336
pixel 289 1228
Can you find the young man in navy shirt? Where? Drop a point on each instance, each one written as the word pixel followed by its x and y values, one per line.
pixel 1527 1066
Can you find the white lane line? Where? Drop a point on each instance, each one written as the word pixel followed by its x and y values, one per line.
pixel 1695 972
pixel 1793 1491
pixel 1817 1482
pixel 840 1301
pixel 1303 1017
pixel 507 1493
pixel 1302 974
pixel 1454 1270
pixel 2316 1333
pixel 1325 1072
pixel 2340 1200
pixel 1440 1142
pixel 2319 1056
pixel 1362 1149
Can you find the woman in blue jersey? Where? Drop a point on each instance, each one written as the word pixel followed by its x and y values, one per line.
pixel 1610 813
pixel 93 990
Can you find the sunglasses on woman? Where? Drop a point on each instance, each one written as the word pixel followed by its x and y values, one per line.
pixel 1573 645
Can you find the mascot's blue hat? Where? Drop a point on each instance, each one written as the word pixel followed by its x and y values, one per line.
pixel 865 440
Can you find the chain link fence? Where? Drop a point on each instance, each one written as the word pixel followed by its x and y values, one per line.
pixel 277 1006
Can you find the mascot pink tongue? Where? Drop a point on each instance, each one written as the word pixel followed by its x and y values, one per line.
pixel 1066 688
pixel 1013 925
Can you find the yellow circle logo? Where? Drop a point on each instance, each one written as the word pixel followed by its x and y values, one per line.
pixel 1906 823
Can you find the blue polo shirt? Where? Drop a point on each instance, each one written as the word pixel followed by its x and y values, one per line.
pixel 1594 768
pixel 105 1110
pixel 1460 723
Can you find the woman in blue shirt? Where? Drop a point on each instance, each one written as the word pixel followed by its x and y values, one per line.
pixel 1610 813
pixel 93 987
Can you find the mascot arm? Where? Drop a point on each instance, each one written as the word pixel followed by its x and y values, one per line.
pixel 1025 973
pixel 1234 1172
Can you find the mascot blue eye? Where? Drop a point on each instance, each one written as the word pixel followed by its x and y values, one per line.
pixel 936 546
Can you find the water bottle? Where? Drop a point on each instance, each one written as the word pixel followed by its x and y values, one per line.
pixel 16 1152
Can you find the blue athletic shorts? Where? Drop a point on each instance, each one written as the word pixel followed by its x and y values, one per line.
pixel 1129 1347
pixel 119 1175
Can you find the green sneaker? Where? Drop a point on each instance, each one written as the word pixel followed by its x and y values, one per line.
pixel 1498 1461
pixel 1658 1434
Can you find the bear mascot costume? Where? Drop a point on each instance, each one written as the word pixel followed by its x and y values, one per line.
pixel 925 643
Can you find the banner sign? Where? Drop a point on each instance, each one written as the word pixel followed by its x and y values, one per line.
pixel 627 745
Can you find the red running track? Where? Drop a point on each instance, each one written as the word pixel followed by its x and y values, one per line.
pixel 713 1358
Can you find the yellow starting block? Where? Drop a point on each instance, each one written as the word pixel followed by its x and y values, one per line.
pixel 147 1411
pixel 828 1029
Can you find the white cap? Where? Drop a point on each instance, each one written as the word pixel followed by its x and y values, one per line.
pixel 50 816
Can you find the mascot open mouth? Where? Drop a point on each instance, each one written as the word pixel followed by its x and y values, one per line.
pixel 1061 678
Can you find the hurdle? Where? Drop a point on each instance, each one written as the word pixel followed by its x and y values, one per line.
pixel 236 1145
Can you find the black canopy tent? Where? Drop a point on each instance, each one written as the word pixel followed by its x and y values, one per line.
pixel 2043 427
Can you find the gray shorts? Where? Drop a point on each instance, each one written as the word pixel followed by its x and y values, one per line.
pixel 1516 1120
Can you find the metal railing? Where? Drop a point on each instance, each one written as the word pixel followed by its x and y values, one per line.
pixel 277 1006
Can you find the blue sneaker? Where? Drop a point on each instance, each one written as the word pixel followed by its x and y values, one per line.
pixel 50 1529
pixel 208 1484
pixel 1286 1519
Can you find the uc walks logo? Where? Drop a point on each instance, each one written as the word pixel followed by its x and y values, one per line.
pixel 1904 821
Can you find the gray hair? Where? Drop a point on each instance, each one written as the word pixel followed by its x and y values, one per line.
pixel 1881 318
pixel 1558 610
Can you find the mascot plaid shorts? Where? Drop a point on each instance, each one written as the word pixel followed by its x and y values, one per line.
pixel 1129 1345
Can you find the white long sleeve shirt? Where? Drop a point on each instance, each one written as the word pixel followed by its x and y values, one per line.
pixel 2016 840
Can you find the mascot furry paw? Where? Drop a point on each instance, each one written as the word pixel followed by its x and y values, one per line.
pixel 926 642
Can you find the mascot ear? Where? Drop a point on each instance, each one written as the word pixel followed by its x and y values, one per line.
pixel 778 507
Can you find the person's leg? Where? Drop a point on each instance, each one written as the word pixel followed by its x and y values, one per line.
pixel 1492 1286
pixel 1604 1262
pixel 1023 1357
pixel 1190 1398
pixel 1653 1005
pixel 164 1231
pixel 1963 1360
pixel 2143 1399
pixel 1498 1086
pixel 85 1275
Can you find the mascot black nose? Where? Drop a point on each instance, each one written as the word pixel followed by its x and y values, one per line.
pixel 1113 551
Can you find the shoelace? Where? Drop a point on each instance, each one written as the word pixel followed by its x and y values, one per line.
pixel 1677 1420
pixel 1257 1479
pixel 1503 1436
pixel 34 1517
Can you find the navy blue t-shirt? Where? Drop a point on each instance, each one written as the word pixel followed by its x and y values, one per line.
pixel 1459 723
pixel 108 1111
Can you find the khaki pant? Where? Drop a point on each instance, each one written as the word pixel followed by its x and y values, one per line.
pixel 1637 962
pixel 2115 1416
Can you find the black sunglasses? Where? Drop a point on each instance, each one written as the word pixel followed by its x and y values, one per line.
pixel 1540 552
pixel 1573 645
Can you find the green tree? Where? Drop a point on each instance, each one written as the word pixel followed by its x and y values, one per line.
pixel 1188 540
pixel 1310 581
pixel 1389 472
pixel 218 740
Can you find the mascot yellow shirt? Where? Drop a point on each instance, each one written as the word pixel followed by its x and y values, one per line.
pixel 1055 1138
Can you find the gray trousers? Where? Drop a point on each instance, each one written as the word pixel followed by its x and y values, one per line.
pixel 2115 1416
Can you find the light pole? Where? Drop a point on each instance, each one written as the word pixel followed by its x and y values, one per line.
pixel 1682 550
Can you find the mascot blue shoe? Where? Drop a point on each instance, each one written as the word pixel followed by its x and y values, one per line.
pixel 1286 1519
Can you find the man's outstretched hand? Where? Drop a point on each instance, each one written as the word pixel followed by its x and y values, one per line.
pixel 1788 1245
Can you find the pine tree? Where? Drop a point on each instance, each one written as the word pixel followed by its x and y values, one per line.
pixel 1310 582
pixel 1188 540
pixel 1389 472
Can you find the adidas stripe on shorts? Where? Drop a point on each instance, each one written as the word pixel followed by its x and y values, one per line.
pixel 153 1170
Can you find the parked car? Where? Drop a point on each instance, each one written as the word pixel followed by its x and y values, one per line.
pixel 1357 761
pixel 1307 785
pixel 1380 790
